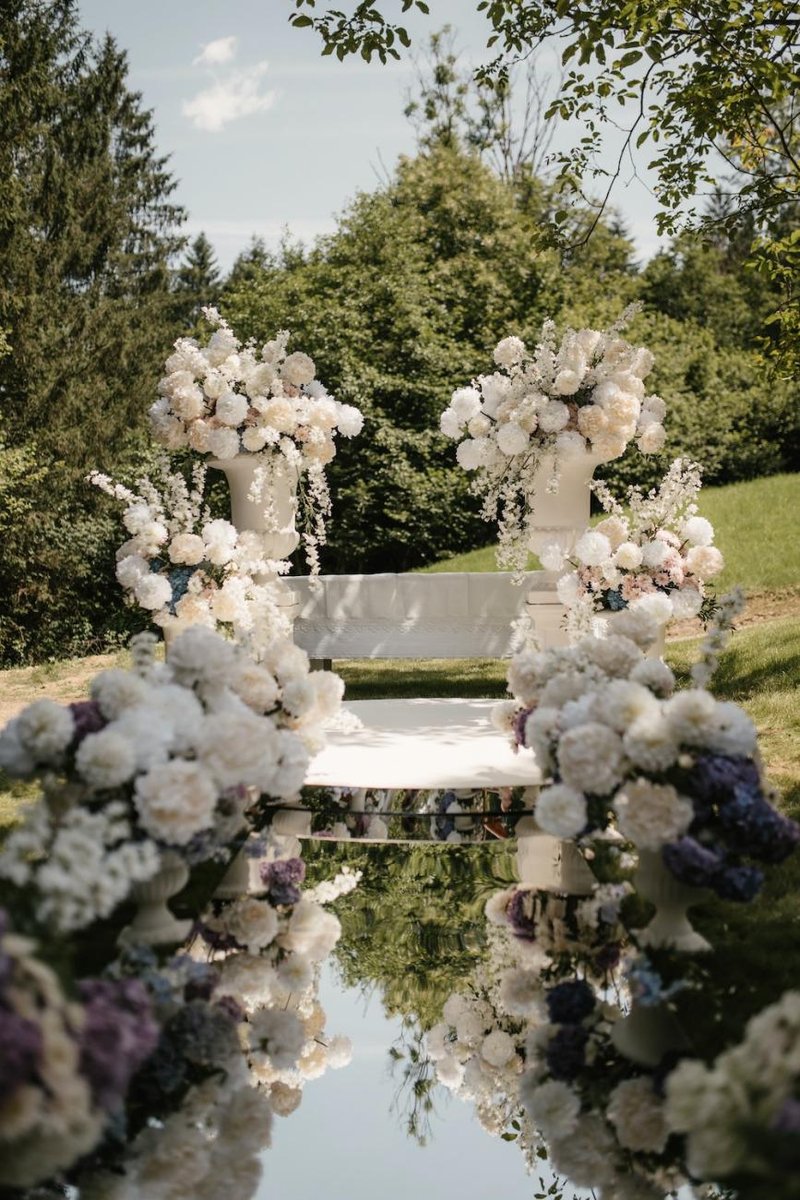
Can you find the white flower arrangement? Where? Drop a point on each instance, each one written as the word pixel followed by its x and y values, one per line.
pixel 677 774
pixel 184 568
pixel 227 399
pixel 659 557
pixel 163 757
pixel 741 1115
pixel 583 397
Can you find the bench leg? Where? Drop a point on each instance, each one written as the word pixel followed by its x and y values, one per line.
pixel 321 664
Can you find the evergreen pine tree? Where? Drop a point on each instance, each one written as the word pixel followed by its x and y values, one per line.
pixel 87 232
pixel 198 280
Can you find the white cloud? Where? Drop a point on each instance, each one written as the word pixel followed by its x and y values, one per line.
pixel 214 53
pixel 229 99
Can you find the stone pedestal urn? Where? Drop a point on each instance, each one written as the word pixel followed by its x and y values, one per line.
pixel 558 518
pixel 270 510
pixel 647 1033
pixel 561 516
pixel 670 925
pixel 549 863
pixel 154 924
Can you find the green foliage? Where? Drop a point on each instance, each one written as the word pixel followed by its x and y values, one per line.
pixel 86 234
pixel 197 280
pixel 708 89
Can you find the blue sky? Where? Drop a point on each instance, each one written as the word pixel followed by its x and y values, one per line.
pixel 262 132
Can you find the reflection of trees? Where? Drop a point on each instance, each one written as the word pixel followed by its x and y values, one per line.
pixel 415 927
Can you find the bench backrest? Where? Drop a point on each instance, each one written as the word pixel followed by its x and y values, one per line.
pixel 440 615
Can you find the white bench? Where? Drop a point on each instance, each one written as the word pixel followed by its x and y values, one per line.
pixel 414 743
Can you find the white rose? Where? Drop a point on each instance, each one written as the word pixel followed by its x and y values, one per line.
pixel 115 690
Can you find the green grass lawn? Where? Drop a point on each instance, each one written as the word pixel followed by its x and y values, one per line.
pixel 756 530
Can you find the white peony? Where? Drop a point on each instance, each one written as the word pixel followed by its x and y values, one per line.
pixel 570 444
pixel 220 540
pixel 552 557
pixel 628 556
pixel 105 760
pixel 466 404
pixel 479 426
pixel 637 1114
pixel 298 369
pixel 686 603
pixel 152 592
pixel 350 420
pixel 561 811
pixel 450 1072
pixel 512 439
pixel 223 443
pixel 731 731
pixel 187 548
pixel 654 674
pixel 115 690
pixel 553 416
pixel 509 352
pixel 131 569
pixel 590 758
pixel 554 1109
pixel 690 715
pixel 454 1007
pixel 231 409
pixel 704 561
pixel 652 814
pixel 240 748
pixel 45 729
pixel 175 801
pixel 616 655
pixel 649 743
pixel 253 922
pixel 471 453
pixel 278 1034
pixel 199 655
pixel 622 702
pixel 521 992
pixel 498 1048
pixel 586 1156
pixel 567 382
pixel 652 438
pixel 657 604
pixel 654 552
pixel 593 548
pixel 697 531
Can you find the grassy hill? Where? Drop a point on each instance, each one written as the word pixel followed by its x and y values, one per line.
pixel 756 527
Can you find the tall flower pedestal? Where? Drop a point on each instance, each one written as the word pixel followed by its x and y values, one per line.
pixel 558 518
pixel 670 926
pixel 647 1033
pixel 549 863
pixel 154 924
pixel 263 491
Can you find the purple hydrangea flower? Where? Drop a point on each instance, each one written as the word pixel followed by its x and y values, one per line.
pixel 755 828
pixel 569 1003
pixel 566 1051
pixel 714 777
pixel 692 863
pixel 205 1034
pixel 20 1052
pixel 518 726
pixel 739 883
pixel 282 880
pixel 88 719
pixel 787 1118
pixel 608 956
pixel 521 915
pixel 232 1008
pixel 118 1034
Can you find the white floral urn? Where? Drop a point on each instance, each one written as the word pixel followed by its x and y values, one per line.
pixel 670 926
pixel 647 1033
pixel 560 516
pixel 154 924
pixel 263 490
pixel 550 863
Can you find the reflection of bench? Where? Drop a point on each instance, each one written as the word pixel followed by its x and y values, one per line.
pixel 430 743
